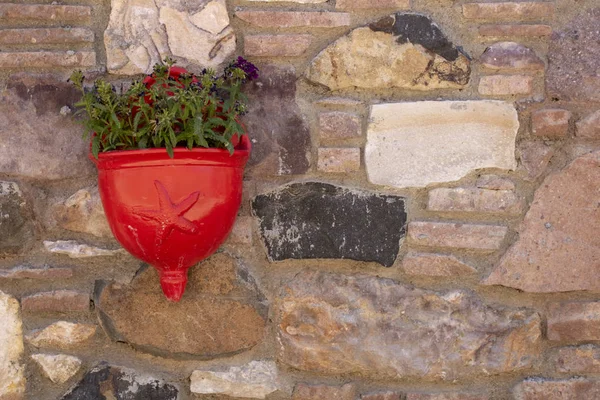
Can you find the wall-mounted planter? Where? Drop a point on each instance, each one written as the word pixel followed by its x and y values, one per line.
pixel 172 212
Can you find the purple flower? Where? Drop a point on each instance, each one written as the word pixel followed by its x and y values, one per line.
pixel 246 66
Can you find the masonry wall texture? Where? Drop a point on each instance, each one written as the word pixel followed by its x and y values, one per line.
pixel 419 221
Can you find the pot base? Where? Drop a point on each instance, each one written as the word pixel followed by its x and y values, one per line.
pixel 173 284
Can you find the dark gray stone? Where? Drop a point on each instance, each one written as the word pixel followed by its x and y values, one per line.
pixel 108 382
pixel 15 227
pixel 279 133
pixel 318 220
pixel 573 59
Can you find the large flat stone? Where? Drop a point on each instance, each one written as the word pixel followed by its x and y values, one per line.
pixel 375 327
pixel 403 50
pixel 12 371
pixel 415 144
pixel 221 313
pixel 558 249
pixel 318 220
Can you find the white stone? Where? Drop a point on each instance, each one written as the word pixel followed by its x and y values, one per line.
pixel 59 368
pixel 62 334
pixel 213 18
pixel 415 144
pixel 12 377
pixel 78 250
pixel 83 212
pixel 255 380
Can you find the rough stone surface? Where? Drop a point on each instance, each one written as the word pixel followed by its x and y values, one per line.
pixel 422 264
pixel 318 220
pixel 574 321
pixel 415 144
pixel 47 59
pixel 372 4
pixel 457 235
pixel 522 10
pixel 74 249
pixel 59 368
pixel 61 334
pixel 142 33
pixel 12 372
pixel 46 36
pixel 573 58
pixel 83 212
pixel 577 360
pixel 558 249
pixel 29 110
pixel 317 392
pixel 402 50
pixel 494 182
pixel 280 135
pixel 255 380
pixel 221 312
pixel 446 396
pixel 15 228
pixel 109 382
pixel 59 301
pixel 569 389
pixel 276 45
pixel 340 324
pixel 242 231
pixel 535 157
pixel 521 30
pixel 44 12
pixel 293 19
pixel 382 396
pixel 550 123
pixel 339 160
pixel 339 125
pixel 505 85
pixel 43 273
pixel 475 200
pixel 589 127
pixel 511 56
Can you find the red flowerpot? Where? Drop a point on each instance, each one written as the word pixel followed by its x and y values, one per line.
pixel 172 212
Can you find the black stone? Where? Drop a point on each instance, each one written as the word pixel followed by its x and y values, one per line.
pixel 417 29
pixel 106 382
pixel 318 220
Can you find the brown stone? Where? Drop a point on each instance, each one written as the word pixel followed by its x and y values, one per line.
pixel 281 137
pixel 589 127
pixel 511 56
pixel 58 301
pixel 372 4
pixel 558 249
pixel 320 392
pixel 242 231
pixel 46 36
pixel 221 312
pixel 44 273
pixel 47 59
pixel 571 389
pixel 42 12
pixel 446 396
pixel 474 200
pixel 535 157
pixel 83 212
pixel 338 102
pixel 577 360
pixel 374 327
pixel 339 125
pixel 505 85
pixel 573 58
pixel 339 160
pixel 508 10
pixel 382 396
pixel 276 45
pixel 435 265
pixel 290 19
pixel 515 30
pixel 574 321
pixel 456 235
pixel 550 123
pixel 494 182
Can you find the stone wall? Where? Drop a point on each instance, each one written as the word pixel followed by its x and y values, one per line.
pixel 420 218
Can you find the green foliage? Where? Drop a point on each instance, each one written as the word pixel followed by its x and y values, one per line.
pixel 174 111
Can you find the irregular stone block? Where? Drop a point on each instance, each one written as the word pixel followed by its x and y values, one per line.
pixel 505 85
pixel 568 389
pixel 60 301
pixel 318 220
pixel 142 33
pixel 589 127
pixel 435 265
pixel 276 45
pixel 293 19
pixel 415 144
pixel 15 225
pixel 535 157
pixel 47 36
pixel 577 360
pixel 339 160
pixel 446 396
pixel 83 212
pixel 411 52
pixel 558 249
pixel 111 382
pixel 47 59
pixel 78 250
pixel 382 396
pixel 44 273
pixel 474 200
pixel 255 380
pixel 494 182
pixel 372 4
pixel 339 125
pixel 61 334
pixel 317 392
pixel 374 327
pixel 522 30
pixel 574 321
pixel 59 368
pixel 511 56
pixel 550 123
pixel 44 12
pixel 457 235
pixel 222 312
pixel 12 371
pixel 508 10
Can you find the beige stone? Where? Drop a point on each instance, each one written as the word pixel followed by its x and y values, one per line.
pixel 255 380
pixel 339 125
pixel 303 391
pixel 494 182
pixel 522 30
pixel 382 396
pixel 46 36
pixel 293 19
pixel 57 301
pixel 535 157
pixel 276 45
pixel 83 212
pixel 422 264
pixel 568 389
pixel 61 334
pixel 475 200
pixel 44 12
pixel 589 127
pixel 415 144
pixel 212 18
pixel 12 371
pixel 457 235
pixel 74 249
pixel 508 10
pixel 505 85
pixel 59 368
pixel 339 160
pixel 291 1
pixel 43 273
pixel 574 321
pixel 577 359
pixel 446 396
pixel 47 59
pixel 558 249
pixel 372 4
